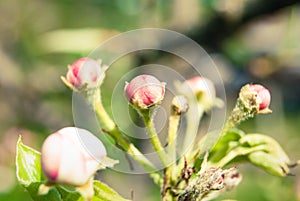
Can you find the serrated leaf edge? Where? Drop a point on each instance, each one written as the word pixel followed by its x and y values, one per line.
pixel 19 143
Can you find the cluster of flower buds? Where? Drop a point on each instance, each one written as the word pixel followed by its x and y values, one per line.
pixel 62 150
pixel 66 159
pixel 71 156
pixel 145 91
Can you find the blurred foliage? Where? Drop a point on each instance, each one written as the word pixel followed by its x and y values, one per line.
pixel 249 40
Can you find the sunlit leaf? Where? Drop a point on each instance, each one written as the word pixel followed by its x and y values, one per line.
pixel 68 194
pixel 269 163
pixel 272 159
pixel 226 143
pixel 105 193
pixel 52 195
pixel 28 164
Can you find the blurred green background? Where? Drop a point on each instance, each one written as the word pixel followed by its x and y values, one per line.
pixel 249 40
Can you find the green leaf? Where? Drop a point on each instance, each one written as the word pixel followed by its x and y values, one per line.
pixel 225 144
pixel 105 193
pixel 28 164
pixel 233 135
pixel 272 146
pixel 272 158
pixel 68 194
pixel 52 195
pixel 269 163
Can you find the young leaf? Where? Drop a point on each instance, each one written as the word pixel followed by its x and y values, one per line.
pixel 269 163
pixel 105 193
pixel 225 144
pixel 272 146
pixel 272 159
pixel 52 195
pixel 67 194
pixel 28 164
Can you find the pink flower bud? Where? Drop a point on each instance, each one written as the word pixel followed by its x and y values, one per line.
pixel 201 85
pixel 66 159
pixel 84 71
pixel 263 97
pixel 201 88
pixel 144 91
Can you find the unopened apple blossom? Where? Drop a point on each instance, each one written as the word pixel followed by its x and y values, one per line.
pixel 263 95
pixel 67 160
pixel 84 71
pixel 145 91
pixel 200 88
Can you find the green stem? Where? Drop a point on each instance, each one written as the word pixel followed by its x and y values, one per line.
pixel 241 112
pixel 170 172
pixel 172 134
pixel 154 137
pixel 178 107
pixel 193 121
pixel 108 126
